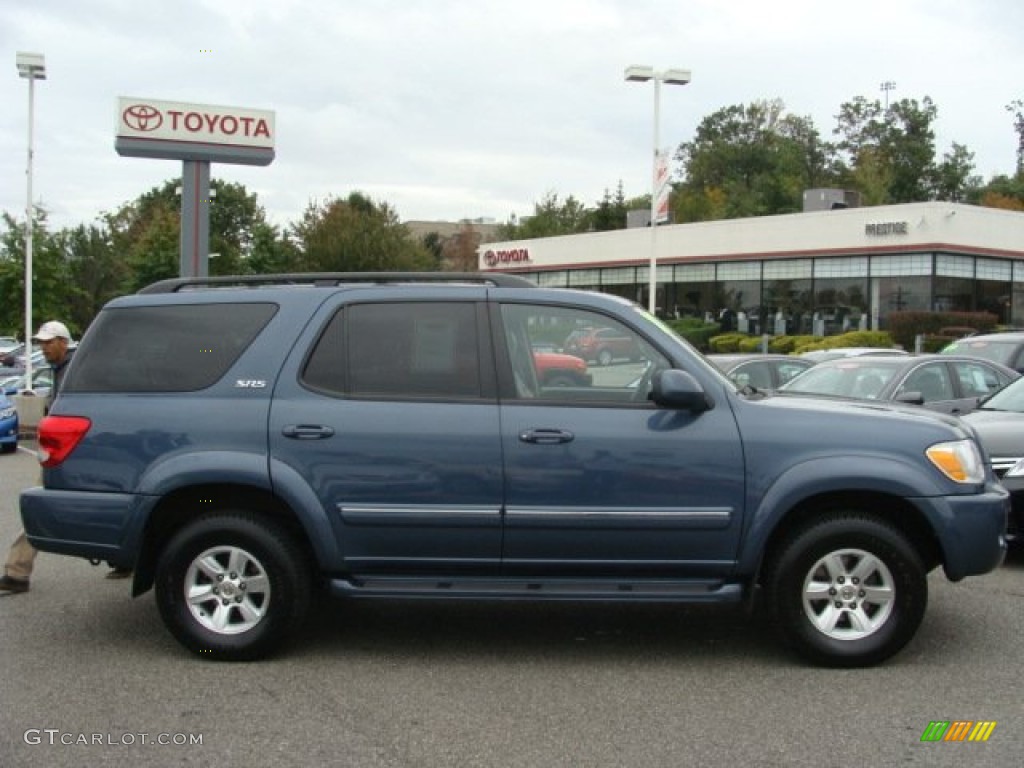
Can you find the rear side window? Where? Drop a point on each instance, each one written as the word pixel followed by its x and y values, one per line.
pixel 179 348
pixel 402 349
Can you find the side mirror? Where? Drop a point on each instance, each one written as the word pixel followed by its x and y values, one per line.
pixel 678 389
pixel 911 398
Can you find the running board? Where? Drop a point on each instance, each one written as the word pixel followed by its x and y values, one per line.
pixel 611 590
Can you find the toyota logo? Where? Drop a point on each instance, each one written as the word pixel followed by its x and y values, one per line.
pixel 490 258
pixel 142 117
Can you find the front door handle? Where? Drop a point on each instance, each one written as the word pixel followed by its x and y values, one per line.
pixel 307 431
pixel 546 436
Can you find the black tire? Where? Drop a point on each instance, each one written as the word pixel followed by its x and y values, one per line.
pixel 248 561
pixel 847 591
pixel 8 447
pixel 561 380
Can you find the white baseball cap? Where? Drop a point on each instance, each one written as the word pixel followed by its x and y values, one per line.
pixel 52 330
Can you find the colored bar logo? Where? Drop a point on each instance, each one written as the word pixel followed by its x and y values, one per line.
pixel 958 730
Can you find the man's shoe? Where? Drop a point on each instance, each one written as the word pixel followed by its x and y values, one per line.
pixel 119 573
pixel 13 586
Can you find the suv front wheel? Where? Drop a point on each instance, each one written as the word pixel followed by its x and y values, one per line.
pixel 231 586
pixel 847 591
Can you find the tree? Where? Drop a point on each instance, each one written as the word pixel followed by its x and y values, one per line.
pixel 49 279
pixel 551 217
pixel 953 178
pixel 1016 108
pixel 611 212
pixel 95 270
pixel 355 235
pixel 751 160
pixel 889 154
pixel 148 231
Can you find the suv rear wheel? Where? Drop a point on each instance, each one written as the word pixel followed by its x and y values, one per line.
pixel 847 591
pixel 231 586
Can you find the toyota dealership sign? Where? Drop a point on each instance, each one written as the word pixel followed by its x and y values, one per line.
pixel 173 130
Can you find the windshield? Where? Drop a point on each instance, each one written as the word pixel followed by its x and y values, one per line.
pixel 850 378
pixel 996 351
pixel 1010 398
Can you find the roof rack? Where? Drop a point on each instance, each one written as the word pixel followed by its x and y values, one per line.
pixel 176 284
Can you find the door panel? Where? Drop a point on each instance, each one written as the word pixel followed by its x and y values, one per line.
pixel 597 479
pixel 393 424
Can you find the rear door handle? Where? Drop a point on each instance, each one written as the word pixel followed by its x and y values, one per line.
pixel 307 431
pixel 546 436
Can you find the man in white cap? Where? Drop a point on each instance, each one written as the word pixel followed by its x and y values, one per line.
pixel 54 338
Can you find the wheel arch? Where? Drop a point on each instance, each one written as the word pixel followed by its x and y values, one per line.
pixel 178 508
pixel 898 512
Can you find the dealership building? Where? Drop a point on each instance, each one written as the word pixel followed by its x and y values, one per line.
pixel 821 271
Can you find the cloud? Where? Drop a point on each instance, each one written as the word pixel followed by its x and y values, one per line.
pixel 450 109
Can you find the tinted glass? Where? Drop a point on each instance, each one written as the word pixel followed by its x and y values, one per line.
pixel 978 380
pixel 625 379
pixel 177 348
pixel 1003 352
pixel 931 380
pixel 409 349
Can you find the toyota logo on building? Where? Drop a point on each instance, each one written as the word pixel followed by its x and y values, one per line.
pixel 142 117
pixel 511 256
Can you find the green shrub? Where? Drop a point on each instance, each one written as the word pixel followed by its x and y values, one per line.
pixel 727 342
pixel 880 339
pixel 905 326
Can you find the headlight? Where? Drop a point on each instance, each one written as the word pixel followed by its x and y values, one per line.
pixel 7 413
pixel 959 460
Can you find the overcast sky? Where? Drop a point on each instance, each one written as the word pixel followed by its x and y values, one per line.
pixel 452 109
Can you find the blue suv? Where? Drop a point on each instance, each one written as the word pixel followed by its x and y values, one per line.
pixel 239 442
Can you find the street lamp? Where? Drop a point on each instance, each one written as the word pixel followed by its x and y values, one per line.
pixel 32 67
pixel 887 86
pixel 641 74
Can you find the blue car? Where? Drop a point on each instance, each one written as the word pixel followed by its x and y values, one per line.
pixel 8 425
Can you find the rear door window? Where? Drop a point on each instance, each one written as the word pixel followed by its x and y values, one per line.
pixel 177 348
pixel 400 349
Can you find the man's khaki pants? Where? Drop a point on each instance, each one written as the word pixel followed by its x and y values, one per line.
pixel 20 559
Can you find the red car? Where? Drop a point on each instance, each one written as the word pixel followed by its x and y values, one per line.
pixel 602 345
pixel 557 370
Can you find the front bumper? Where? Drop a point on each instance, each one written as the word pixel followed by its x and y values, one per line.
pixel 971 530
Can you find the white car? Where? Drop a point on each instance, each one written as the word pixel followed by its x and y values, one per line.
pixel 820 355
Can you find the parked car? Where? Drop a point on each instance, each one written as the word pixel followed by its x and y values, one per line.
pixel 558 370
pixel 999 421
pixel 239 442
pixel 8 425
pixel 821 355
pixel 15 357
pixel 762 371
pixel 1004 348
pixel 942 383
pixel 602 345
pixel 42 380
pixel 7 344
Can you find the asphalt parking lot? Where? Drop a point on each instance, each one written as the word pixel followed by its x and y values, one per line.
pixel 90 677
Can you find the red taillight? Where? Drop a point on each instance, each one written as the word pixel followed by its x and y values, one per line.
pixel 58 436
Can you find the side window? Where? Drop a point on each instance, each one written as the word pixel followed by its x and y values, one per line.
pixel 932 381
pixel 173 348
pixel 565 354
pixel 756 374
pixel 977 380
pixel 787 372
pixel 401 349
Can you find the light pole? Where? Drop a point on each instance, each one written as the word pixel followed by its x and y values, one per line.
pixel 887 86
pixel 641 74
pixel 32 67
